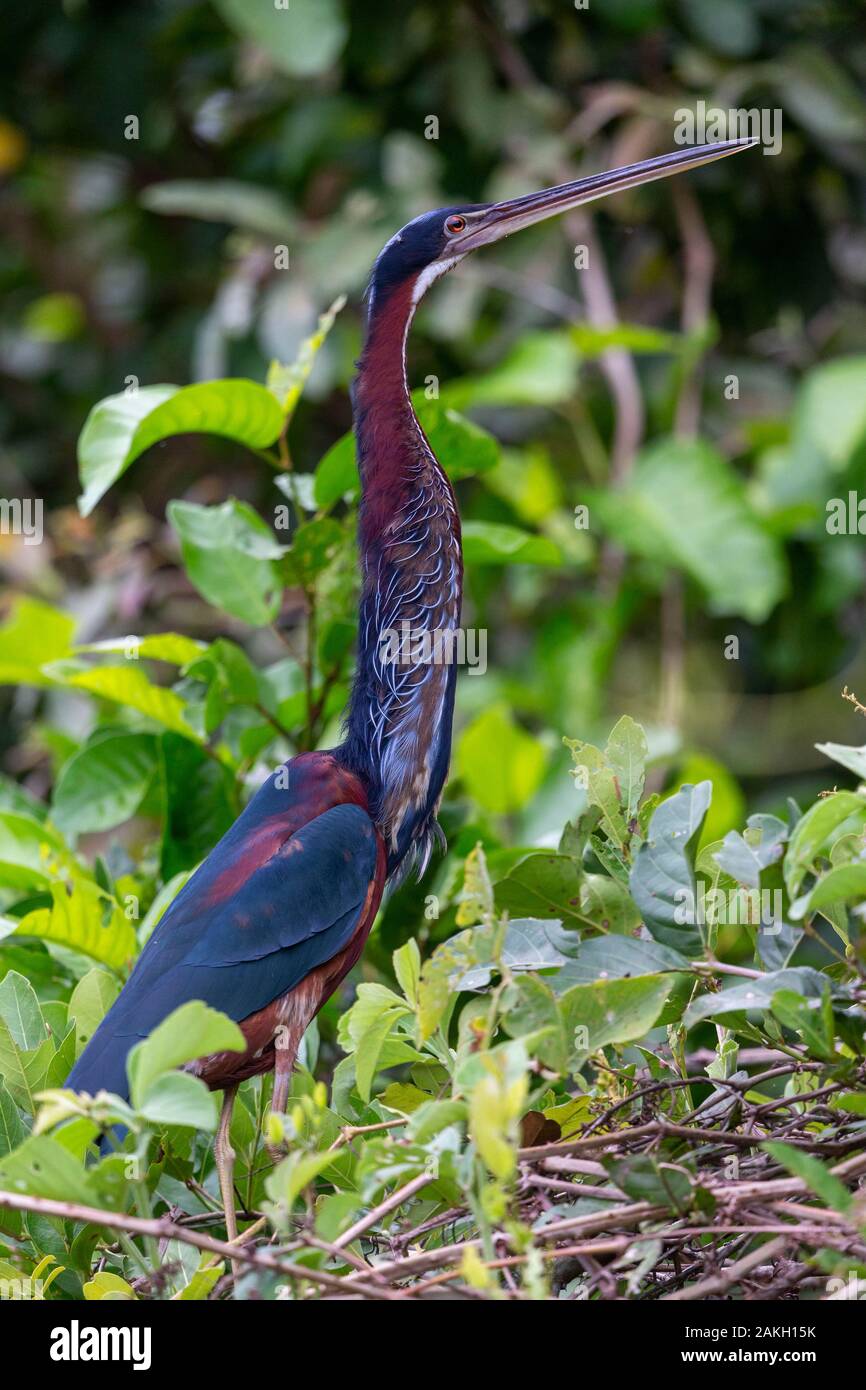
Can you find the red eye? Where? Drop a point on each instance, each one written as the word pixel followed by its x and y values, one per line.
pixel 455 224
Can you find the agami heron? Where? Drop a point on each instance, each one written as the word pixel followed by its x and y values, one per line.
pixel 280 910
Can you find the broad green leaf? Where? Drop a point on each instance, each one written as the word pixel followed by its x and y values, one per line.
pixel 407 969
pixel 25 1072
pixel 626 752
pixel 120 428
pixel 105 782
pixel 194 1030
pixel 529 944
pixel 300 38
pixel 127 685
pixel 229 554
pixel 830 415
pixel 816 831
pixel 43 1167
pixel 33 635
pixel 240 204
pixel 20 1011
pixel 543 884
pixel 817 1177
pixel 501 765
pixel 176 1098
pixel 820 94
pixel 494 543
pixel 30 851
pixel 172 647
pixel 595 776
pixel 89 1002
pixel 662 878
pixel 83 917
pixel 105 1285
pixel 852 758
pixel 616 958
pixel 758 993
pixel 612 1011
pixel 541 369
pixel 12 1130
pixel 633 337
pixel 294 1175
pixel 811 1018
pixel 844 884
pixel 685 506
pixel 645 1179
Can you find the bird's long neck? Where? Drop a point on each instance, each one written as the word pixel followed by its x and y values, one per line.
pixel 399 722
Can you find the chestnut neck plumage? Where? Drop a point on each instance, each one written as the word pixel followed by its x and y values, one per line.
pixel 398 728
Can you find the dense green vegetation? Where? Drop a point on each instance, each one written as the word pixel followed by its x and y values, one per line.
pixel 644 943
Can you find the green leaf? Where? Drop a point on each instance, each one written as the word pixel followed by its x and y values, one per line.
pixel 645 1179
pixel 229 554
pixel 407 969
pixel 844 884
pixel 12 1130
pixel 246 205
pixel 816 831
pixel 493 543
pixel 89 1002
pixel 105 782
pixel 301 38
pixel 811 1018
pixel 158 646
pixel 120 428
pixel 594 774
pixel 20 1011
pixel 543 884
pixel 86 919
pixel 127 685
pixel 817 1177
pixel 612 1011
pixel 852 758
pixel 541 369
pixel 616 958
pixel 30 851
pixel 830 414
pixel 105 1285
pixel 43 1167
pixel 662 878
pixel 529 944
pixel 287 381
pixel 34 634
pixel 500 763
pixel 176 1098
pixel 758 993
pixel 685 506
pixel 194 1030
pixel 294 1175
pixel 626 753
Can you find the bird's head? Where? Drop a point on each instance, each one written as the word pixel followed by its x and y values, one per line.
pixel 431 244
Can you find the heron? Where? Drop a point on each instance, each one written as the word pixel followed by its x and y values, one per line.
pixel 279 912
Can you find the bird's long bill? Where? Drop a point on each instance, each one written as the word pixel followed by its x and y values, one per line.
pixel 502 219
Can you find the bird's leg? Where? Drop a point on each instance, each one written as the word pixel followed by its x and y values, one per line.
pixel 284 1063
pixel 225 1162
